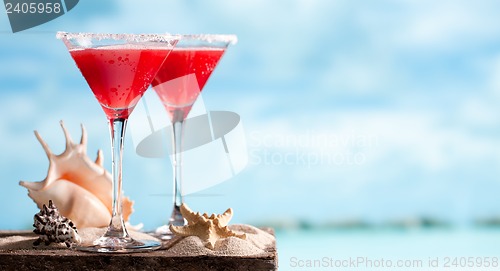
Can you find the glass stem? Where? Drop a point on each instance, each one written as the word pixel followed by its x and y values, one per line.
pixel 117 130
pixel 177 132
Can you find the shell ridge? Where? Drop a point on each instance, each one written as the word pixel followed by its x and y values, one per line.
pixel 44 144
pixel 67 136
pixel 99 159
pixel 83 139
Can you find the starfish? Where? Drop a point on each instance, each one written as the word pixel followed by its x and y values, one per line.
pixel 208 228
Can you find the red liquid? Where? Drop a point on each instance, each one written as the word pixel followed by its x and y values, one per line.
pixel 119 75
pixel 182 77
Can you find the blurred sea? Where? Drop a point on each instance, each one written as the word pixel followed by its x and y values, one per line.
pixel 473 248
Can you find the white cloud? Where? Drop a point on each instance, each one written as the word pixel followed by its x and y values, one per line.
pixel 492 70
pixel 448 25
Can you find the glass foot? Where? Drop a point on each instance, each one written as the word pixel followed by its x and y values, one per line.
pixel 119 245
pixel 163 232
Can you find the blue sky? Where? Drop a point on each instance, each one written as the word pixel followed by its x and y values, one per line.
pixel 373 110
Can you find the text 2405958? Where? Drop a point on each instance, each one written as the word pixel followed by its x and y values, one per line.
pixel 33 8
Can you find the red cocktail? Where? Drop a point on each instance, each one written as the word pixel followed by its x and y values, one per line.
pixel 178 83
pixel 183 76
pixel 118 68
pixel 119 75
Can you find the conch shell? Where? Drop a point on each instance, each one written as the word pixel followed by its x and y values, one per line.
pixel 81 188
pixel 209 229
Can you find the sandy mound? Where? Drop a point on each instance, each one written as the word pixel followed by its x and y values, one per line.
pixel 256 243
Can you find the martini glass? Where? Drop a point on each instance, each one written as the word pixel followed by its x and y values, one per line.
pixel 118 68
pixel 178 84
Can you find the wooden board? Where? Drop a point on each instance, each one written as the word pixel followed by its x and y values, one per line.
pixel 59 258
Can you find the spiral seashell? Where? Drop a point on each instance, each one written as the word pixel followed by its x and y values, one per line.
pixel 80 187
pixel 54 228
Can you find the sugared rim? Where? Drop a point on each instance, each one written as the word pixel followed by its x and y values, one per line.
pixel 125 37
pixel 231 39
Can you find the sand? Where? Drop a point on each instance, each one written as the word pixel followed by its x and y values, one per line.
pixel 18 242
pixel 256 243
